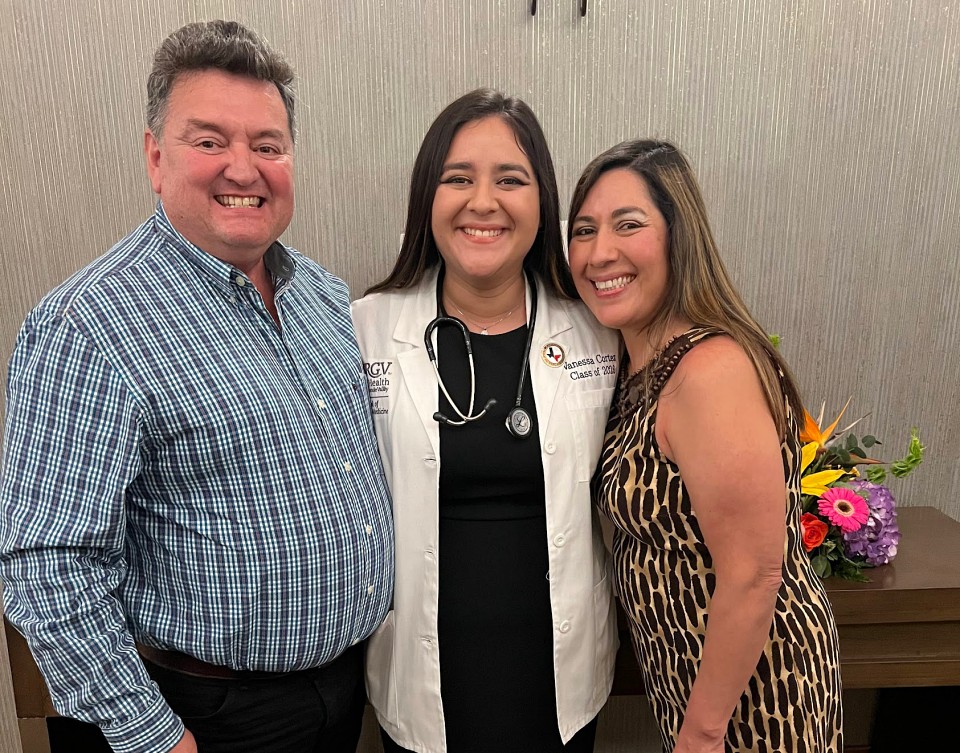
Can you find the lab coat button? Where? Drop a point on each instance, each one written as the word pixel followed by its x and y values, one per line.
pixel 430 461
pixel 550 448
pixel 559 539
pixel 565 626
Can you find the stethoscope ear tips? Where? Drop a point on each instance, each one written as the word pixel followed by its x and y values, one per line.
pixel 490 403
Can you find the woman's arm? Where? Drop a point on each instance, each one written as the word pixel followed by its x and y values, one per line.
pixel 714 423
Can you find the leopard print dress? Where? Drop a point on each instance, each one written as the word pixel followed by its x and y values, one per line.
pixel 665 579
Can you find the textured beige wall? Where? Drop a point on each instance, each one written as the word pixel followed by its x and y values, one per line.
pixel 826 135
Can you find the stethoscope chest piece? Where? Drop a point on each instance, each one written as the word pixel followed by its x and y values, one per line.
pixel 519 423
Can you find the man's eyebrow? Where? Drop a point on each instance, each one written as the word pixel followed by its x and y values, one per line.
pixel 271 133
pixel 195 124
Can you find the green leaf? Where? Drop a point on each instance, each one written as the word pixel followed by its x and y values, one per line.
pixel 909 463
pixel 821 566
pixel 870 441
pixel 850 571
pixel 775 341
pixel 876 474
pixel 851 442
pixel 843 456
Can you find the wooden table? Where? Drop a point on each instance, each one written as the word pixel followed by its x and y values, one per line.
pixel 902 629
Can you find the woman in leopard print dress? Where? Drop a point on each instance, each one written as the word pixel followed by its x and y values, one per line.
pixel 699 474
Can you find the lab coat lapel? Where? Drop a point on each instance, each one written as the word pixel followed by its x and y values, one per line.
pixel 552 326
pixel 417 311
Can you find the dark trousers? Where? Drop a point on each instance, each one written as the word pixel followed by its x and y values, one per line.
pixel 313 711
pixel 582 742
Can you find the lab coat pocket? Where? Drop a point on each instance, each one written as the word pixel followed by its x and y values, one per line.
pixel 588 411
pixel 381 669
pixel 607 638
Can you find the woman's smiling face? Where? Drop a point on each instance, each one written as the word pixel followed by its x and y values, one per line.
pixel 486 211
pixel 619 253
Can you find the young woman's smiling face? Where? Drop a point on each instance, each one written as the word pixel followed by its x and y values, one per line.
pixel 486 211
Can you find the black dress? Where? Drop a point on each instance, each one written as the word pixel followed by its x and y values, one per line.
pixel 495 627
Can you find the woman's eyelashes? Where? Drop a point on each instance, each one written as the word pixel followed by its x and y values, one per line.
pixel 508 181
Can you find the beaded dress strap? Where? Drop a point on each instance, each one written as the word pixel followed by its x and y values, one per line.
pixel 665 364
pixel 645 385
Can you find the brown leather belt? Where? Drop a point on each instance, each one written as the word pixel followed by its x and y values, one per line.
pixel 177 661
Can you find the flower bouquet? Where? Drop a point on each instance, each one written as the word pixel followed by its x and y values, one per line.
pixel 849 520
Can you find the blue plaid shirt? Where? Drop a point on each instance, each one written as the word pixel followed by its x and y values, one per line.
pixel 179 471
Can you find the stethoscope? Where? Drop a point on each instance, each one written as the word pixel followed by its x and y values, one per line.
pixel 518 422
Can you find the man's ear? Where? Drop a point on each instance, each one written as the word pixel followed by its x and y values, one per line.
pixel 151 150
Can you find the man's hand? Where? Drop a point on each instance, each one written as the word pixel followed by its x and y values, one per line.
pixel 186 745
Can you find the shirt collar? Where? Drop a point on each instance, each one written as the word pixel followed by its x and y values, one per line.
pixel 278 259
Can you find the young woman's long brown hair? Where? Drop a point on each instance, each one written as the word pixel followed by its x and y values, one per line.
pixel 418 252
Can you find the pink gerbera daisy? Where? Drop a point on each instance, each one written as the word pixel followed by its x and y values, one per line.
pixel 844 508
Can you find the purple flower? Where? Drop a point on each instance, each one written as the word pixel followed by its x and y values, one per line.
pixel 876 541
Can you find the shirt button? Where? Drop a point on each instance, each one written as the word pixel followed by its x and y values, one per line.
pixel 346 467
pixel 565 626
pixel 369 530
pixel 240 281
pixel 550 448
pixel 320 404
pixel 559 539
pixel 369 589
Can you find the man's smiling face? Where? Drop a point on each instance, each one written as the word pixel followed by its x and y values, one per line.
pixel 223 165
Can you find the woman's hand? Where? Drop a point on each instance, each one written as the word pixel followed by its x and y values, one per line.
pixel 686 745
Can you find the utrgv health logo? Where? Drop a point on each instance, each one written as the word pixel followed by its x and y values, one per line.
pixel 378 384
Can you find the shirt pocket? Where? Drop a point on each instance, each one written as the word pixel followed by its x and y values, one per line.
pixel 588 413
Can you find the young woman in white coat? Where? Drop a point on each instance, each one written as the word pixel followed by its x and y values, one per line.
pixel 490 384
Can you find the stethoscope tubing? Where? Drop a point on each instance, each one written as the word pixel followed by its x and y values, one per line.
pixel 518 420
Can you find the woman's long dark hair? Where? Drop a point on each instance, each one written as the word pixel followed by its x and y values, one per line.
pixel 418 252
pixel 700 290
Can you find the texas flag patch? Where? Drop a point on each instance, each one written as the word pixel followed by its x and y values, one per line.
pixel 552 355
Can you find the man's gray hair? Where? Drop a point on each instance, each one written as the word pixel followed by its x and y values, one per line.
pixel 216 45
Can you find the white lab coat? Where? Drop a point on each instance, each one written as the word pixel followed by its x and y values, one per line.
pixel 403 661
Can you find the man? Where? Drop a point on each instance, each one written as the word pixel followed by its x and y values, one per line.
pixel 191 490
